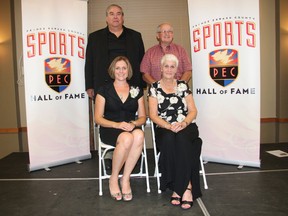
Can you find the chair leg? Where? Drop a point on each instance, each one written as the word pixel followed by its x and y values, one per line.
pixel 156 158
pixel 100 172
pixel 203 173
pixel 146 169
pixel 141 164
pixel 157 172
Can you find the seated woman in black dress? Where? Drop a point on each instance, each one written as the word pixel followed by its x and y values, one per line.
pixel 172 109
pixel 116 106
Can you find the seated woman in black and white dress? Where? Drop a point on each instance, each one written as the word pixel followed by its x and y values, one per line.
pixel 172 109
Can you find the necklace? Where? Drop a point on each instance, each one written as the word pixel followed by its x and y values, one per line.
pixel 121 90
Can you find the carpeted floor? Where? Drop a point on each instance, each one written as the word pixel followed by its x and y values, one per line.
pixel 72 189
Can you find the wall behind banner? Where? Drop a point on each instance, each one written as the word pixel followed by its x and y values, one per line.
pixel 144 16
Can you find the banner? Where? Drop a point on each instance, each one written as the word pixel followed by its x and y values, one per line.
pixel 54 41
pixel 225 46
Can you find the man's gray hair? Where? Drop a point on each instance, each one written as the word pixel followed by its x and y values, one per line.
pixel 114 5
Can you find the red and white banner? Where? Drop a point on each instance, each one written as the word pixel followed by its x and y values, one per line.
pixel 225 46
pixel 54 42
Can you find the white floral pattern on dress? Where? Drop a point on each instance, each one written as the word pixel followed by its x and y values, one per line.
pixel 173 100
pixel 134 91
pixel 160 98
pixel 181 87
pixel 171 107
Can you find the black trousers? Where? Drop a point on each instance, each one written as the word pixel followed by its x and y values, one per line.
pixel 179 159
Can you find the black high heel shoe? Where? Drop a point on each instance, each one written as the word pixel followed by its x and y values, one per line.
pixel 178 199
pixel 185 202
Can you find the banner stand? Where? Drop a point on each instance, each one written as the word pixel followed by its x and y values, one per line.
pixel 225 50
pixel 47 166
pixel 54 42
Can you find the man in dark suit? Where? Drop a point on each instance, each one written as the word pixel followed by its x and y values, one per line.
pixel 106 44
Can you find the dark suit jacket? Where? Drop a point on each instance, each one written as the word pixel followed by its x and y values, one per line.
pixel 97 59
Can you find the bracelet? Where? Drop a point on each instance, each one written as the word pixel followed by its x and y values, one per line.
pixel 186 123
pixel 166 125
pixel 134 123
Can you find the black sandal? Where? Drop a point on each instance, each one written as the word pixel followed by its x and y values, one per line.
pixel 185 202
pixel 176 199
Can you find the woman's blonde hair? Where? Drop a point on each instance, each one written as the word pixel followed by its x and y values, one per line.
pixel 111 69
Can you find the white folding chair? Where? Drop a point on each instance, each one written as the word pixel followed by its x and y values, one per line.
pixel 157 174
pixel 102 151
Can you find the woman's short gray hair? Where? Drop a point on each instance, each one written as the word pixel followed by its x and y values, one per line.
pixel 169 57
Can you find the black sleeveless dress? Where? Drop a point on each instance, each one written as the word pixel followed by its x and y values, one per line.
pixel 118 111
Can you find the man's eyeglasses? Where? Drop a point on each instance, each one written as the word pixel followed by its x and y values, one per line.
pixel 166 32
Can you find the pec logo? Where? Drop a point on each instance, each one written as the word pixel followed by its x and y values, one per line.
pixel 57 73
pixel 223 65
